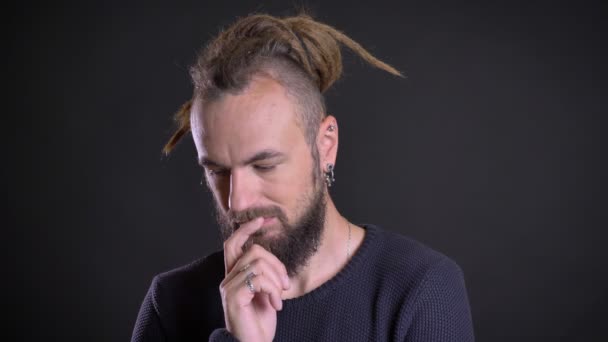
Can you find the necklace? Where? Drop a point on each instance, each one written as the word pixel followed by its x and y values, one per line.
pixel 348 242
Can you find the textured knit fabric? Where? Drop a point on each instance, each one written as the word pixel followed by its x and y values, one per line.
pixel 392 289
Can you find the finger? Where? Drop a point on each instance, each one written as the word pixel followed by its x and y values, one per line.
pixel 259 266
pixel 233 247
pixel 235 243
pixel 261 284
pixel 257 252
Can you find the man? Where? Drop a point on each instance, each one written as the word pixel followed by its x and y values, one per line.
pixel 292 268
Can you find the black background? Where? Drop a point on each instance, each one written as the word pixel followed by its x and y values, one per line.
pixel 492 151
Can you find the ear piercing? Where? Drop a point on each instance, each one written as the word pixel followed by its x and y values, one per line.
pixel 329 174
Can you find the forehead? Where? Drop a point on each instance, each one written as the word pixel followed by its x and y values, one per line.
pixel 262 116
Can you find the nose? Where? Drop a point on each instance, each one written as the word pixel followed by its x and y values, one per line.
pixel 242 191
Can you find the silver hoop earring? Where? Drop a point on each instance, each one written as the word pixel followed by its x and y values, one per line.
pixel 329 175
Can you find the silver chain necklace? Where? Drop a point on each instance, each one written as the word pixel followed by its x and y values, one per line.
pixel 348 242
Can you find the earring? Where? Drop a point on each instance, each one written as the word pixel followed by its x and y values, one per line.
pixel 329 175
pixel 331 128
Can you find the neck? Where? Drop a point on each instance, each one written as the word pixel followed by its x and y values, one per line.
pixel 331 256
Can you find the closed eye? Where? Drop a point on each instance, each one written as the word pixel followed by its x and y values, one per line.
pixel 217 172
pixel 263 168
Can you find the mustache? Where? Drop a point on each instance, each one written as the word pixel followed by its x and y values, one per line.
pixel 236 218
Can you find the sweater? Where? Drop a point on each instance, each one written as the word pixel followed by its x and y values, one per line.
pixel 393 289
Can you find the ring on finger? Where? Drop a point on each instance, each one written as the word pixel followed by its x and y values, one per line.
pixel 248 282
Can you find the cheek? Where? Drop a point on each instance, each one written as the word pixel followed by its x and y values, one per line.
pixel 288 186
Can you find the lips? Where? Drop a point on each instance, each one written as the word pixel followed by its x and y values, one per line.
pixel 269 220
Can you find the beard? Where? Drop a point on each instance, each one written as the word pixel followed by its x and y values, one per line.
pixel 295 242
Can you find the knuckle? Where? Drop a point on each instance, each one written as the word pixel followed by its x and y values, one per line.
pixel 264 267
pixel 259 263
pixel 255 267
pixel 257 249
pixel 273 285
pixel 262 263
pixel 276 291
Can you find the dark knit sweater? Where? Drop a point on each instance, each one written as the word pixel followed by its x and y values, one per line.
pixel 393 289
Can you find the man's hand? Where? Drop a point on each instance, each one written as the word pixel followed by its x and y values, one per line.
pixel 251 316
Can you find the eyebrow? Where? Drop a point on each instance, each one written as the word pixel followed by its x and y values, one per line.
pixel 204 161
pixel 262 155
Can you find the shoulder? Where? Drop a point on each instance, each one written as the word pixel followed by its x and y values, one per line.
pixel 187 299
pixel 202 271
pixel 197 280
pixel 433 298
pixel 408 261
pixel 187 288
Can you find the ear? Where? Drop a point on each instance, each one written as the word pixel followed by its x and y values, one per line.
pixel 327 142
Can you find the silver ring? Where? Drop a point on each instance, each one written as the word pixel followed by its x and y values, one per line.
pixel 248 282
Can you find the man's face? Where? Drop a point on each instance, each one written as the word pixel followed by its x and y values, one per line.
pixel 257 163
